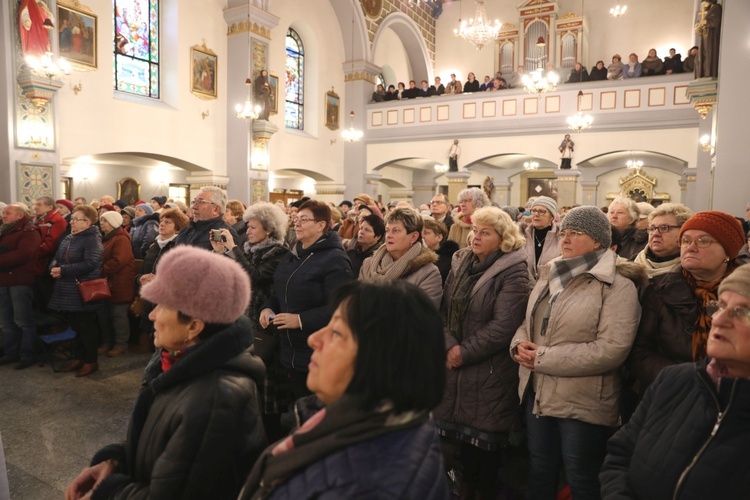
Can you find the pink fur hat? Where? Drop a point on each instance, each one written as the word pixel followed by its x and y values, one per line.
pixel 201 284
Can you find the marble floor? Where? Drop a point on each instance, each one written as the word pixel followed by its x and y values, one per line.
pixel 52 423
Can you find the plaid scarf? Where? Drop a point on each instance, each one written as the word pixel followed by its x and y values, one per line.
pixel 563 271
pixel 705 292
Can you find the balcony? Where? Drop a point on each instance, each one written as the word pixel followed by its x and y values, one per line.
pixel 656 102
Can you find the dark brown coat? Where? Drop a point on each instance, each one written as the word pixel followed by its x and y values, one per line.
pixel 119 265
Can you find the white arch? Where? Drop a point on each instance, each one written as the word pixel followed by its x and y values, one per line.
pixel 356 48
pixel 414 45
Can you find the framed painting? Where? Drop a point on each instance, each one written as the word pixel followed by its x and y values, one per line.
pixel 77 34
pixel 332 110
pixel 273 80
pixel 203 72
pixel 34 181
pixel 129 189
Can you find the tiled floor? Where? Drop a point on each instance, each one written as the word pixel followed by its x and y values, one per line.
pixel 52 423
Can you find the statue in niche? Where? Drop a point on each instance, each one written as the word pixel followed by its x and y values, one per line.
pixel 35 21
pixel 566 152
pixel 453 153
pixel 262 94
pixel 709 29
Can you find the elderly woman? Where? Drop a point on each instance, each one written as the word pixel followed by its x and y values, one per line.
pixel 580 324
pixel 260 256
pixel 484 303
pixel 542 244
pixel 662 254
pixel 233 216
pixel 119 269
pixel 689 436
pixel 79 259
pixel 675 323
pixel 144 230
pixel 379 376
pixel 369 238
pixel 302 286
pixel 623 214
pixel 469 200
pixel 404 256
pixel 195 429
pixel 435 237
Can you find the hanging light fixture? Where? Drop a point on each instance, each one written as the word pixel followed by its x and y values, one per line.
pixel 618 10
pixel 47 67
pixel 478 31
pixel 538 82
pixel 352 134
pixel 579 122
pixel 440 168
pixel 530 165
pixel 248 111
pixel 705 143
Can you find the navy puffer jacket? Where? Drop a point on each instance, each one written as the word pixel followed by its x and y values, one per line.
pixel 80 257
pixel 142 235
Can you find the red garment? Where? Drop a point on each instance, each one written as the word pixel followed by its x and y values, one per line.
pixel 118 266
pixel 168 359
pixel 20 244
pixel 52 227
pixel 35 40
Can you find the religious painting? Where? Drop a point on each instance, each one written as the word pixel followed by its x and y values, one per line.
pixel 332 110
pixel 273 81
pixel 129 189
pixel 34 181
pixel 203 63
pixel 77 31
pixel 372 8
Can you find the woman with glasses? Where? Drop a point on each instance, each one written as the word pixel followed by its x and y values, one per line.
pixel 302 286
pixel 468 200
pixel 542 241
pixel 79 258
pixel 675 322
pixel 662 253
pixel 580 323
pixel 690 435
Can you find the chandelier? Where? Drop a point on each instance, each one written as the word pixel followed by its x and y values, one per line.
pixel 47 67
pixel 635 165
pixel 530 165
pixel 441 169
pixel 247 111
pixel 618 10
pixel 352 134
pixel 538 83
pixel 478 31
pixel 579 122
pixel 705 143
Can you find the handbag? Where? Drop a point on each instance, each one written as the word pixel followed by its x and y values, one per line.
pixel 93 290
pixel 265 343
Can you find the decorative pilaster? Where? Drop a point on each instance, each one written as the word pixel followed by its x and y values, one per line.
pixel 402 195
pixel 703 94
pixel 567 183
pixel 502 192
pixel 689 188
pixel 329 191
pixel 259 159
pixel 197 180
pixel 457 182
pixel 589 189
pixel 422 192
pixel 372 184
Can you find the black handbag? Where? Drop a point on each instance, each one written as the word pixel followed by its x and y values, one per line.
pixel 266 343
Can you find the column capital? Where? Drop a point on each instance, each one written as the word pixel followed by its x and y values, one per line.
pixel 570 174
pixel 329 188
pixel 373 177
pixel 260 21
pixel 263 129
pixel 361 70
pixel 457 176
pixel 703 94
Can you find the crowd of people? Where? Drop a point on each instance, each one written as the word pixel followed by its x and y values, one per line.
pixel 652 65
pixel 416 347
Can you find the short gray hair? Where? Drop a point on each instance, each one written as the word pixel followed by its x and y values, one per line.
pixel 218 196
pixel 628 203
pixel 271 217
pixel 678 210
pixel 410 218
pixel 48 200
pixel 477 196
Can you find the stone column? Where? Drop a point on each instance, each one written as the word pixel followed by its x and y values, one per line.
pixel 589 192
pixel 690 193
pixel 457 182
pixel 259 159
pixel 703 95
pixel 329 191
pixel 372 185
pixel 422 193
pixel 683 190
pixel 360 80
pixel 197 180
pixel 402 195
pixel 567 183
pixel 502 192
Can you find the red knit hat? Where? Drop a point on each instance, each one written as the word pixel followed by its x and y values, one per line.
pixel 723 227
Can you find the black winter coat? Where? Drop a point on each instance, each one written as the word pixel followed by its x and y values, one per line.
pixel 198 233
pixel 633 241
pixel 598 74
pixel 302 284
pixel 445 257
pixel 357 257
pixel 196 428
pixel 665 333
pixel 682 418
pixel 79 256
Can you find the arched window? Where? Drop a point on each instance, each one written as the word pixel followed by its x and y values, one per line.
pixel 136 47
pixel 295 81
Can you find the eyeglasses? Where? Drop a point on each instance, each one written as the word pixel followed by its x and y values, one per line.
pixel 301 220
pixel 198 201
pixel 664 228
pixel 570 233
pixel 437 202
pixel 702 242
pixel 78 220
pixel 739 313
pixel 538 211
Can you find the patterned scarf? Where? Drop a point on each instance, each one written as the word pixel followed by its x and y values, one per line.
pixel 385 268
pixel 563 271
pixel 467 275
pixel 705 292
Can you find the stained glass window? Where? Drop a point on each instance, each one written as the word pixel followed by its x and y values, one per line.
pixel 295 81
pixel 137 47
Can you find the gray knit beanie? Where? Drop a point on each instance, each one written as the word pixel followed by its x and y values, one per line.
pixel 738 281
pixel 546 202
pixel 591 221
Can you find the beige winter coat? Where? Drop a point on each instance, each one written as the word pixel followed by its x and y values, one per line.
pixel 591 329
pixel 460 232
pixel 550 250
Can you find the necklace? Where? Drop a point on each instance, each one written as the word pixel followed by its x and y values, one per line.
pixel 538 243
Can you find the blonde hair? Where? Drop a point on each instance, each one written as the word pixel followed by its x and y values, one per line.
pixel 678 210
pixel 510 236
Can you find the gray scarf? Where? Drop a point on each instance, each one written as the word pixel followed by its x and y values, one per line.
pixel 385 268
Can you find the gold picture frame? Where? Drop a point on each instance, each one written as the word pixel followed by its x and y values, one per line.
pixel 273 81
pixel 129 189
pixel 203 72
pixel 77 34
pixel 333 105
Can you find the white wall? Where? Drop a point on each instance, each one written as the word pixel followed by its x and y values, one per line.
pixel 390 51
pixel 105 177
